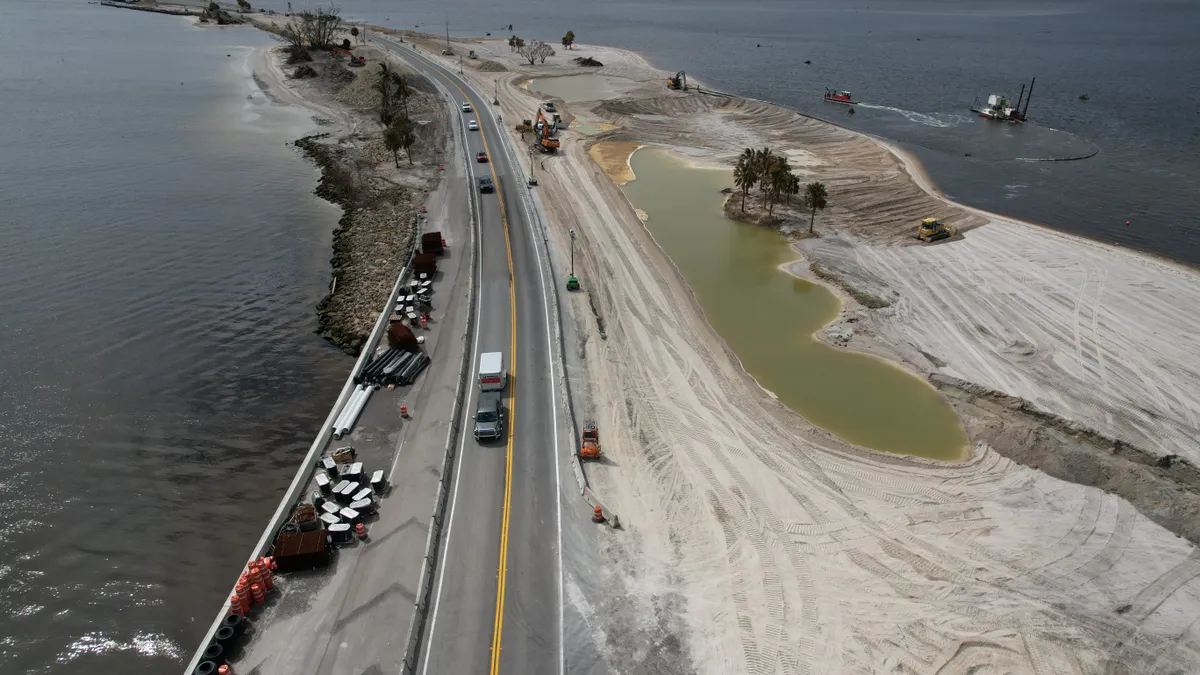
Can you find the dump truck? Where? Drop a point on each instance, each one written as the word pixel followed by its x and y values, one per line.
pixel 589 441
pixel 432 242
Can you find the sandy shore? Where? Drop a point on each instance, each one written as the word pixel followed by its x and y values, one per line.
pixel 756 543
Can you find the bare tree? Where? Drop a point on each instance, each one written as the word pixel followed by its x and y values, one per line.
pixel 293 35
pixel 535 50
pixel 243 5
pixel 320 27
pixel 354 33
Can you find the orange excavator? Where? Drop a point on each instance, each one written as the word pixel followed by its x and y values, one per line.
pixel 589 441
pixel 356 61
pixel 544 142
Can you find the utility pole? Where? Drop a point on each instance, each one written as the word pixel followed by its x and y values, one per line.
pixel 448 37
pixel 496 98
pixel 572 252
pixel 460 72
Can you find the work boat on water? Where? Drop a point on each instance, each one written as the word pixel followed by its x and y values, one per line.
pixel 843 97
pixel 1000 109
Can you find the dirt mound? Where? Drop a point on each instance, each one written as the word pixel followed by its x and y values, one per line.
pixel 587 61
pixel 491 66
pixel 870 192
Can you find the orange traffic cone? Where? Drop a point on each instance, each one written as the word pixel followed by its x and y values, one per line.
pixel 360 530
pixel 597 515
pixel 404 411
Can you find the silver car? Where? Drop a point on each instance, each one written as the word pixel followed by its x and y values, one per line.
pixel 489 417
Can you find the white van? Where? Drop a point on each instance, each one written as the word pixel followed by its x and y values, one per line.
pixel 492 375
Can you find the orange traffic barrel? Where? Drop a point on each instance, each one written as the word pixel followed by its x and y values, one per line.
pixel 256 591
pixel 424 321
pixel 235 604
pixel 360 530
pixel 268 581
pixel 403 411
pixel 597 515
pixel 243 594
pixel 256 576
pixel 224 670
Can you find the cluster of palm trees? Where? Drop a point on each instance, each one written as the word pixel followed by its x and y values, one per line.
pixel 399 130
pixel 775 180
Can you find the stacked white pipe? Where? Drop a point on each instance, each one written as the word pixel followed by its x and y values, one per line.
pixel 350 412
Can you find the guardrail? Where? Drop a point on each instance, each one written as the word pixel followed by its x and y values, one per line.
pixel 416 624
pixel 304 473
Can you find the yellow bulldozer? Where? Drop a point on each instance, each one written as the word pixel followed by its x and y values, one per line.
pixel 932 230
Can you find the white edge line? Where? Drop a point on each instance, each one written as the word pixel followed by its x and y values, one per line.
pixel 466 409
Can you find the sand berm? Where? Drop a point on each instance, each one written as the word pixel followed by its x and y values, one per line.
pixel 755 543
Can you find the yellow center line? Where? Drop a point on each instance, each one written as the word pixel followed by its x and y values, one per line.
pixel 502 569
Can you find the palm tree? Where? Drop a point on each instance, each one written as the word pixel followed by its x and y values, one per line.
pixel 383 85
pixel 392 140
pixel 793 187
pixel 816 199
pixel 405 134
pixel 743 178
pixel 778 181
pixel 400 85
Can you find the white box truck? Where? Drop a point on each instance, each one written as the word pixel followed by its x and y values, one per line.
pixel 492 376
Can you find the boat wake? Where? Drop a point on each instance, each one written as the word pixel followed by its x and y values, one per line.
pixel 938 120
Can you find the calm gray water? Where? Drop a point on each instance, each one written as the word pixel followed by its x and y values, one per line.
pixel 161 256
pixel 1137 60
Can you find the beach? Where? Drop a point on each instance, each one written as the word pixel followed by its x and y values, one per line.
pixel 775 548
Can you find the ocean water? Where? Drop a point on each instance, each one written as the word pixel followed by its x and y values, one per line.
pixel 159 380
pixel 919 64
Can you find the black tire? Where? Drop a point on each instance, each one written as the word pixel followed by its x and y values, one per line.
pixel 226 637
pixel 215 653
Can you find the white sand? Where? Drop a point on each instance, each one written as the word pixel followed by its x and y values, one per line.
pixel 778 549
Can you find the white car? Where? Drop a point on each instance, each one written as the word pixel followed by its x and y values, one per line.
pixel 466 107
pixel 472 126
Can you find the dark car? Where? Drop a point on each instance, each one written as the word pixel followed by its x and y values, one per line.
pixel 481 157
pixel 489 417
pixel 485 184
pixel 549 106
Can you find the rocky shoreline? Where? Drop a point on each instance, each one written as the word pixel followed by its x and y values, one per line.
pixel 380 201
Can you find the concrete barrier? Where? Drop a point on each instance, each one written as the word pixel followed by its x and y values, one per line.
pixel 416 624
pixel 304 474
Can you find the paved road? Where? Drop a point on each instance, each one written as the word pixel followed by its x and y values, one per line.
pixel 499 582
